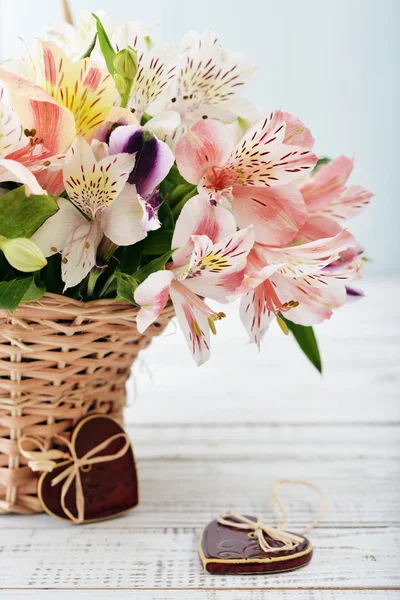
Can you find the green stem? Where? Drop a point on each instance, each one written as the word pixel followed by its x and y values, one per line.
pixel 125 97
pixel 93 277
pixel 107 284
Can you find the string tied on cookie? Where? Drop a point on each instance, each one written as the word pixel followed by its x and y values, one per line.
pixel 45 460
pixel 261 531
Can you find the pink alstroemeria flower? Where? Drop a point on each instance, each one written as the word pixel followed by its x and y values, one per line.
pixel 329 202
pixel 210 261
pixel 97 186
pixel 255 176
pixel 295 280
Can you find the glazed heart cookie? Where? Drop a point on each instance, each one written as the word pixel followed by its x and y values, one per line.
pixel 98 478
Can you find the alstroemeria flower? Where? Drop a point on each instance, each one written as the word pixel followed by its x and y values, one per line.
pixel 253 177
pixel 329 202
pixel 156 67
pixel 63 99
pixel 207 84
pixel 107 204
pixel 209 261
pixel 295 280
pixel 154 159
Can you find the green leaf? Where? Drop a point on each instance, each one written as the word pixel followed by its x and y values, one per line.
pixel 91 48
pixel 22 215
pixel 158 242
pixel 320 163
pixel 105 45
pixel 155 265
pixel 176 211
pixel 307 341
pixel 126 286
pixel 35 291
pixel 13 292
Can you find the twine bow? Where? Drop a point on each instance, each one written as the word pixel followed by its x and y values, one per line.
pixel 289 541
pixel 44 460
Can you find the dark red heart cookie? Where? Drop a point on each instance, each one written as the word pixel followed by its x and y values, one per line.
pixel 109 488
pixel 227 551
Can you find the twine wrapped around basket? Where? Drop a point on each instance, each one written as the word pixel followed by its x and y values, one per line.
pixel 60 359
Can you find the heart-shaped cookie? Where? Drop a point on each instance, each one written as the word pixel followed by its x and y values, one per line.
pixel 100 481
pixel 228 550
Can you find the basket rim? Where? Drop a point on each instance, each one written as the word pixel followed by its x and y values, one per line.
pixel 101 309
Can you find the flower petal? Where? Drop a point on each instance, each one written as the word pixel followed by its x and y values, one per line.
pixel 10 127
pixel 79 253
pixel 255 315
pixel 164 123
pixel 217 270
pixel 122 220
pixel 208 144
pixel 152 296
pixel 82 87
pixel 317 228
pixel 92 185
pixel 350 203
pixel 52 236
pixel 309 258
pixel 11 170
pixel 276 213
pixel 154 159
pixel 316 304
pixel 199 217
pixel 54 125
pixel 193 317
pixel 261 157
pixel 325 186
pixel 297 134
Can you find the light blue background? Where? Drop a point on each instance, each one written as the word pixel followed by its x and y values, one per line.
pixel 333 63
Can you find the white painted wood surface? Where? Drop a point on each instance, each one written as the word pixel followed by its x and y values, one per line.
pixel 214 437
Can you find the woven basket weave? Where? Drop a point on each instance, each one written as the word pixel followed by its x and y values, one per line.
pixel 60 360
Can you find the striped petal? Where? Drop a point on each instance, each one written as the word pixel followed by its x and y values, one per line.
pixel 93 185
pixel 208 145
pixel 262 158
pixel 152 296
pixel 196 319
pixel 255 315
pixel 199 217
pixel 217 270
pixel 79 253
pixel 328 182
pixel 315 303
pixel 52 126
pixel 276 213
pixel 52 236
pixel 83 88
pixel 306 259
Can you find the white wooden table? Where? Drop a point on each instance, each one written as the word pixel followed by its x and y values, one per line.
pixel 214 437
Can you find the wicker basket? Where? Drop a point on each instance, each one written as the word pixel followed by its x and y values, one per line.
pixel 60 360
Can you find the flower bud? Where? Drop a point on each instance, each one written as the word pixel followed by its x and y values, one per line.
pixel 126 63
pixel 23 254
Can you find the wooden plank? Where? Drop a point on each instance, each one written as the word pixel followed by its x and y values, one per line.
pixel 95 557
pixel 267 594
pixel 189 474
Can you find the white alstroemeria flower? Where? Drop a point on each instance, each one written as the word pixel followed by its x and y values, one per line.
pixel 157 63
pixel 101 202
pixel 207 84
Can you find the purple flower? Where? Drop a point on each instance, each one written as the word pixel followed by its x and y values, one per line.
pixel 154 159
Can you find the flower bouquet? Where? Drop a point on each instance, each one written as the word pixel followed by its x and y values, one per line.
pixel 136 182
